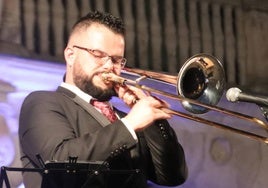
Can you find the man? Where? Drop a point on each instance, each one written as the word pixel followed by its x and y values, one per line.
pixel 62 124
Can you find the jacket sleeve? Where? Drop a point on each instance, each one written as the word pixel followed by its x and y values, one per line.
pixel 168 165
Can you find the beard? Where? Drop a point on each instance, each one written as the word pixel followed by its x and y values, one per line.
pixel 85 83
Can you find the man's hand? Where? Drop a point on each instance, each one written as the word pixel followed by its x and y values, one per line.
pixel 145 109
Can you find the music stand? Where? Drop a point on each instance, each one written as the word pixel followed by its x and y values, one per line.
pixel 86 174
pixel 74 174
pixel 4 176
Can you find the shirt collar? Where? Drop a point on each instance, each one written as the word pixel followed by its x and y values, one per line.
pixel 77 91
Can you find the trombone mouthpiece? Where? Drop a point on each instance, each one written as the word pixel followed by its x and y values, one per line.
pixel 108 76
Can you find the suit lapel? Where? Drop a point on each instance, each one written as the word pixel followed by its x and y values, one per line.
pixel 89 108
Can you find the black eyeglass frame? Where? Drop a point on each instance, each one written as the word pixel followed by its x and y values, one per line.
pixel 116 60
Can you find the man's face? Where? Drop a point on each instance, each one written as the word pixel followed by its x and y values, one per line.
pixel 89 66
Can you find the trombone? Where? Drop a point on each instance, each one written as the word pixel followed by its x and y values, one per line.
pixel 200 85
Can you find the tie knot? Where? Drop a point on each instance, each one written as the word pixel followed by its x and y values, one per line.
pixel 99 104
pixel 105 109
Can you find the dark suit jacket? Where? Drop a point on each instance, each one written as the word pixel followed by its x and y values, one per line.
pixel 53 125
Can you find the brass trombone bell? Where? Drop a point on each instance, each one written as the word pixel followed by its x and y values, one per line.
pixel 201 78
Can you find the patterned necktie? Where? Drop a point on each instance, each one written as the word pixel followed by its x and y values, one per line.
pixel 105 109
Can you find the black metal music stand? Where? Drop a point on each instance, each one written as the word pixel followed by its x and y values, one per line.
pixel 4 177
pixel 86 174
pixel 75 174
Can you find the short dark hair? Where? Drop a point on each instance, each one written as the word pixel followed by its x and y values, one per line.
pixel 114 23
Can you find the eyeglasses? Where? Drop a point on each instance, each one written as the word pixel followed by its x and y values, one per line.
pixel 116 60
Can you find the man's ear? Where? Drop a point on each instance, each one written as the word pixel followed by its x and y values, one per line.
pixel 69 56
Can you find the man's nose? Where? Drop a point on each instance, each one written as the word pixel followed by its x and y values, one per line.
pixel 109 63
